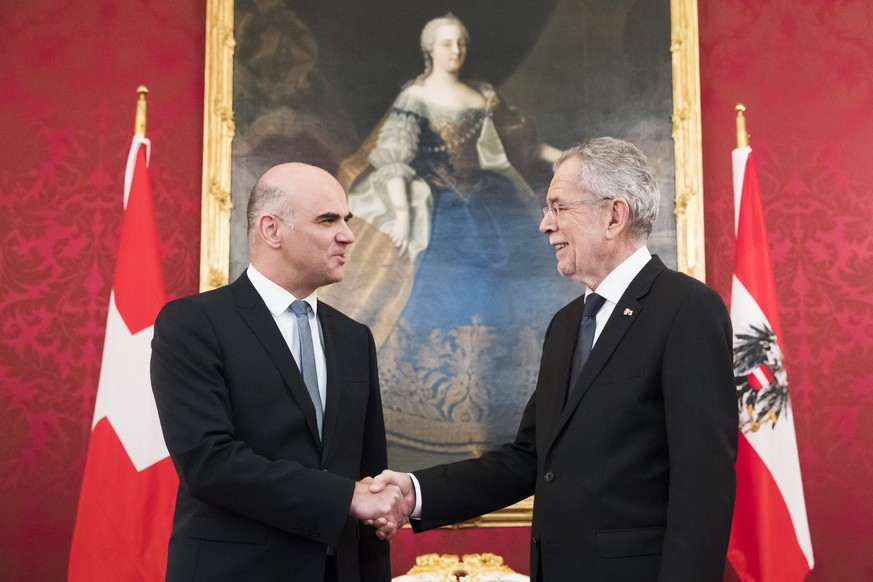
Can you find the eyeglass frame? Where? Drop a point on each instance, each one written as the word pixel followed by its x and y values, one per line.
pixel 555 210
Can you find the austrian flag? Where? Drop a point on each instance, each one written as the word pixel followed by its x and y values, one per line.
pixel 770 537
pixel 760 377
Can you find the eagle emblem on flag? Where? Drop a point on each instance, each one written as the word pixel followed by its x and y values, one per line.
pixel 759 373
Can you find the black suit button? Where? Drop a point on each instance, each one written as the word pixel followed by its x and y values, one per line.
pixel 549 477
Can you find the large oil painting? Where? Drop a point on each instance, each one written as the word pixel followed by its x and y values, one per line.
pixel 443 136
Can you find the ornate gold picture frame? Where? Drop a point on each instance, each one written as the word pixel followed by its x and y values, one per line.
pixel 219 131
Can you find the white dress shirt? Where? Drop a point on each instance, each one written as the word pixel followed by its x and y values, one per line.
pixel 616 283
pixel 278 301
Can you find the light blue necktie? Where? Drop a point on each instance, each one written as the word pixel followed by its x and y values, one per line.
pixel 307 358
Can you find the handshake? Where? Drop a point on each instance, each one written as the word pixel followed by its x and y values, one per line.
pixel 384 502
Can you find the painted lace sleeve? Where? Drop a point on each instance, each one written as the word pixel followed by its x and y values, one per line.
pixel 397 144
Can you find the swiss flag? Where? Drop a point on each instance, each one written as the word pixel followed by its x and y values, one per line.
pixel 129 488
pixel 770 537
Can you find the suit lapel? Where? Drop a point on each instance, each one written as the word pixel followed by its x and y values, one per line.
pixel 254 312
pixel 334 373
pixel 566 335
pixel 626 311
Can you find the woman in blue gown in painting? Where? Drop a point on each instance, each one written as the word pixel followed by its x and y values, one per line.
pixel 459 356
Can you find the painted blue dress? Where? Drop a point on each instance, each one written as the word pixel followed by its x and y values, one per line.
pixel 461 360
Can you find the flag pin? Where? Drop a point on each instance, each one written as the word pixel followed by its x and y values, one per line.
pixel 628 311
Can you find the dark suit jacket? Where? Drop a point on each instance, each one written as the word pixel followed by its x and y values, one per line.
pixel 634 476
pixel 260 498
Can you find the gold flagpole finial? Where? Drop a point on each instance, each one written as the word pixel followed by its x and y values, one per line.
pixel 140 124
pixel 742 135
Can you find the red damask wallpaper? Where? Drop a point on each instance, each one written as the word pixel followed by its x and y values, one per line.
pixel 804 70
pixel 68 77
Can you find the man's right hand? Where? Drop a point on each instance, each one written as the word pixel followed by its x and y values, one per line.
pixel 388 480
pixel 385 508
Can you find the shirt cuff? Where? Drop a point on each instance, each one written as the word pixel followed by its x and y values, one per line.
pixel 416 512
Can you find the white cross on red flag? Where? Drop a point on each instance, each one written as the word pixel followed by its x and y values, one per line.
pixel 129 487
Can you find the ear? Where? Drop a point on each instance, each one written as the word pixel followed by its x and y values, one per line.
pixel 268 230
pixel 619 217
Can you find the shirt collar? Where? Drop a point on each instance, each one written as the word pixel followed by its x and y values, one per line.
pixel 618 280
pixel 277 299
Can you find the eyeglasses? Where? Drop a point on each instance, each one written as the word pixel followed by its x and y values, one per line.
pixel 557 209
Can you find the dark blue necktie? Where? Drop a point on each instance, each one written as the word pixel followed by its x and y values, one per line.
pixel 593 303
pixel 307 357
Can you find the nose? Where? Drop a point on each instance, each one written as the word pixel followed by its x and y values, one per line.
pixel 547 224
pixel 345 235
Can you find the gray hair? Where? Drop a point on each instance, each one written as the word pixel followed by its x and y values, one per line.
pixel 428 38
pixel 266 199
pixel 614 168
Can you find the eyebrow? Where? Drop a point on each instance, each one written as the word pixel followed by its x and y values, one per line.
pixel 334 216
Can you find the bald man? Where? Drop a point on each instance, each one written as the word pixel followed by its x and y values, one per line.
pixel 271 411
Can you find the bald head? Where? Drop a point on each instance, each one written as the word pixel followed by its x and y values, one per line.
pixel 276 191
pixel 297 227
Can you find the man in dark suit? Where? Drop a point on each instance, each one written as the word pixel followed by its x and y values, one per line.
pixel 630 452
pixel 270 479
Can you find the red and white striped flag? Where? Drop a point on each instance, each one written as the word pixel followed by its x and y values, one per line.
pixel 129 487
pixel 770 538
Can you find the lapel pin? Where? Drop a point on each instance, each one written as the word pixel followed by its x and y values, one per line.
pixel 628 311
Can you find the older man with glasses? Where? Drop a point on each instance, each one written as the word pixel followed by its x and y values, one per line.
pixel 629 440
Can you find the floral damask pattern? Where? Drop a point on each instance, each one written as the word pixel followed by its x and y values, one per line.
pixel 811 133
pixel 70 73
pixel 460 392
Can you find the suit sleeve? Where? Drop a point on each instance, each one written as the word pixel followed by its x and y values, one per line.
pixel 466 489
pixel 373 553
pixel 214 463
pixel 701 422
pixel 463 490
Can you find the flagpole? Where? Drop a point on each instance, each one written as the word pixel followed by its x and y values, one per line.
pixel 125 512
pixel 139 127
pixel 139 139
pixel 770 539
pixel 742 135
